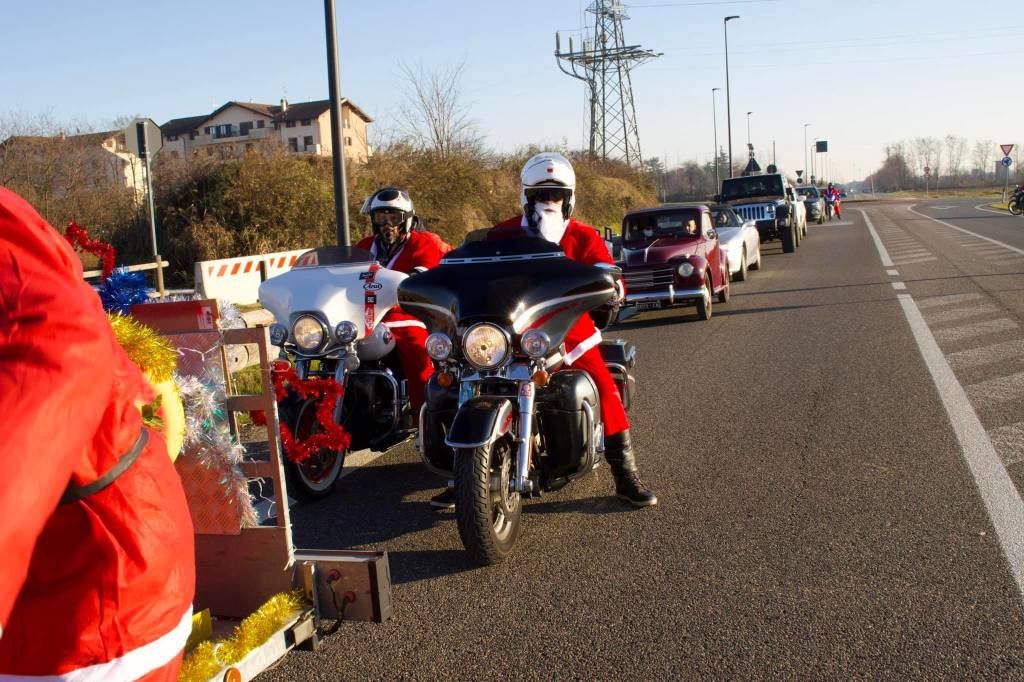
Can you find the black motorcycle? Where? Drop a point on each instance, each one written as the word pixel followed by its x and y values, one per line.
pixel 504 417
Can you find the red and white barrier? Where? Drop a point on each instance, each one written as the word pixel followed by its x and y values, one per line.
pixel 238 279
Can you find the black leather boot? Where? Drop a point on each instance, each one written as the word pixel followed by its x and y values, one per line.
pixel 618 451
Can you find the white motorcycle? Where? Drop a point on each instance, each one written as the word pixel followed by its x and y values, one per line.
pixel 328 311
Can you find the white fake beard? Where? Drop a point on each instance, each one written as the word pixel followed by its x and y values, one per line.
pixel 550 222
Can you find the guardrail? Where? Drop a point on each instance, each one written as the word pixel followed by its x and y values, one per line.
pixel 238 279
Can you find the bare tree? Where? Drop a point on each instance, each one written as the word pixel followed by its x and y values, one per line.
pixel 435 116
pixel 956 147
pixel 983 153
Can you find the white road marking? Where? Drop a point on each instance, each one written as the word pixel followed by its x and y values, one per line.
pixel 899 285
pixel 840 223
pixel 979 236
pixel 911 253
pixel 355 460
pixel 999 389
pixel 911 261
pixel 935 301
pixel 998 493
pixel 1005 214
pixel 1009 442
pixel 977 329
pixel 882 253
pixel 986 355
pixel 892 272
pixel 961 313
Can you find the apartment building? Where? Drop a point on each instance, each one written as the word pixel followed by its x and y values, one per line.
pixel 235 127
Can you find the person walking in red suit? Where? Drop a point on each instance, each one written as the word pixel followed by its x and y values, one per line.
pixel 397 245
pixel 97 542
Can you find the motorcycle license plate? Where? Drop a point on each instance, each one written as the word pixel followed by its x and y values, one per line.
pixel 648 305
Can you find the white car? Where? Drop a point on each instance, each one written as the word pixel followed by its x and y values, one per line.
pixel 799 212
pixel 740 240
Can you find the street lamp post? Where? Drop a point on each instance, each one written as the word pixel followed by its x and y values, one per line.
pixel 337 148
pixel 806 169
pixel 714 124
pixel 814 158
pixel 728 98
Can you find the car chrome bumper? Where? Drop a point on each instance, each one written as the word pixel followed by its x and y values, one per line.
pixel 669 296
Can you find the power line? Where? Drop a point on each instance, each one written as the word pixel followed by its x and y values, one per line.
pixel 696 4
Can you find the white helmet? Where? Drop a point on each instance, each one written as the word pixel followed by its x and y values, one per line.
pixel 392 198
pixel 545 171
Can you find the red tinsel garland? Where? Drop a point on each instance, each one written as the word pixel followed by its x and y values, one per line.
pixel 327 392
pixel 78 236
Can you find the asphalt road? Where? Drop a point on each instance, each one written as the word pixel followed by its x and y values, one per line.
pixel 818 517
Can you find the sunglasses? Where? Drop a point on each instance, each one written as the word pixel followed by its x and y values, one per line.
pixel 545 195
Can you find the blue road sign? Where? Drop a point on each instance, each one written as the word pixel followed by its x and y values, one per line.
pixel 1006 161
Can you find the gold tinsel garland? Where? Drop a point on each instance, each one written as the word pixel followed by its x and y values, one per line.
pixel 145 347
pixel 209 658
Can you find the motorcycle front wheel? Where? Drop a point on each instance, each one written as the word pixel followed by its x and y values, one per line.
pixel 315 477
pixel 1015 207
pixel 486 511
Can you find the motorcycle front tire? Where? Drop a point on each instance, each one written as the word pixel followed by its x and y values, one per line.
pixel 488 530
pixel 301 479
pixel 1014 206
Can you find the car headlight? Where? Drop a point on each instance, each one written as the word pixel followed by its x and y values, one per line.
pixel 308 333
pixel 685 269
pixel 278 334
pixel 770 209
pixel 485 345
pixel 346 332
pixel 535 343
pixel 438 346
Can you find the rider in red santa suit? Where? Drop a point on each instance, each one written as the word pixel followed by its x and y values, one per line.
pixel 95 533
pixel 548 196
pixel 397 245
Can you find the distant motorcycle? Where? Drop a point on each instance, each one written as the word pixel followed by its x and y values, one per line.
pixel 1016 203
pixel 830 207
pixel 328 311
pixel 505 417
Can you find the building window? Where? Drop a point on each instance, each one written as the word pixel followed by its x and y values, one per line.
pixel 293 144
pixel 244 128
pixel 193 134
pixel 345 123
pixel 348 141
pixel 305 121
pixel 290 124
pixel 206 130
pixel 307 141
pixel 260 123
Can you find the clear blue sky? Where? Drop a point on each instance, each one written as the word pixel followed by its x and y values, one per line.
pixel 862 73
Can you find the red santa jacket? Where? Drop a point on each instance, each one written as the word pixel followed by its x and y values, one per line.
pixel 580 243
pixel 102 587
pixel 421 251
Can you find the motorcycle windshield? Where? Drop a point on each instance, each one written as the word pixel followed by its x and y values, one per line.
pixel 333 255
pixel 519 284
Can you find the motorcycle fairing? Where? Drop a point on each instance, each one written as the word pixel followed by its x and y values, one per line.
pixel 520 284
pixel 479 422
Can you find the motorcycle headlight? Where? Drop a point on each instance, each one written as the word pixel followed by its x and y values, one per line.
pixel 278 334
pixel 485 345
pixel 346 332
pixel 308 333
pixel 685 269
pixel 439 346
pixel 535 343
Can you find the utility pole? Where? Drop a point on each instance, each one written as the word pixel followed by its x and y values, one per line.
pixel 805 147
pixel 728 96
pixel 714 123
pixel 337 143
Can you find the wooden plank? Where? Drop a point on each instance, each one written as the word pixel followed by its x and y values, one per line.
pixel 253 469
pixel 247 403
pixel 88 274
pixel 236 574
pixel 245 335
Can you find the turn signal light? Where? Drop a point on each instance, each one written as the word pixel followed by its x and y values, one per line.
pixel 445 379
pixel 280 366
pixel 541 377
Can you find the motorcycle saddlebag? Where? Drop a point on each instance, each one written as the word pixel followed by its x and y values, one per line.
pixel 560 409
pixel 620 357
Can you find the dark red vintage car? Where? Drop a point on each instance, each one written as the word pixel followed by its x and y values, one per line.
pixel 671 257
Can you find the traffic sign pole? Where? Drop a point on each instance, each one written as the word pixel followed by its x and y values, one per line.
pixel 143 132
